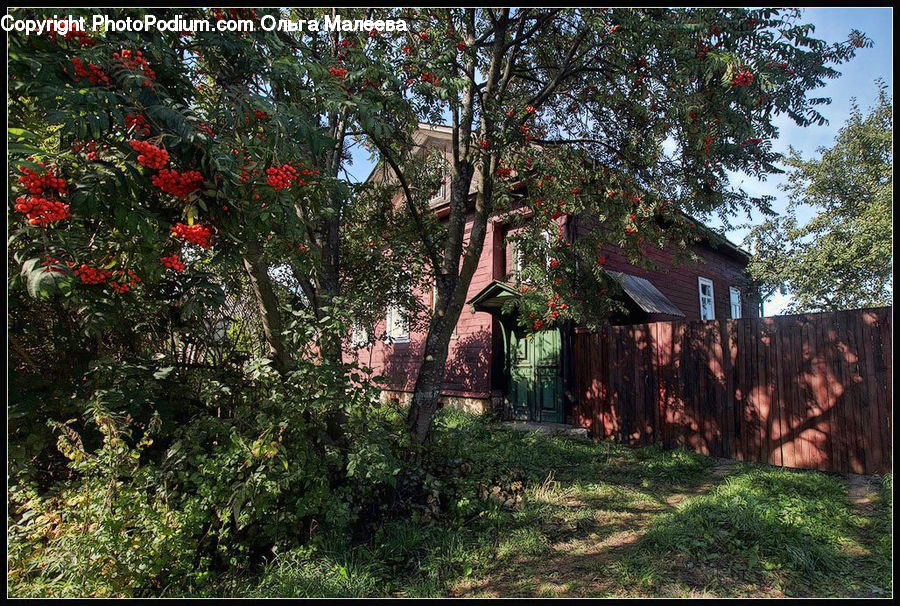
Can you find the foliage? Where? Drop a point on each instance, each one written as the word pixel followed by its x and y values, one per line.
pixel 583 507
pixel 842 257
pixel 218 491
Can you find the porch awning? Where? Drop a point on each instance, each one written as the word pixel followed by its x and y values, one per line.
pixel 493 296
pixel 644 294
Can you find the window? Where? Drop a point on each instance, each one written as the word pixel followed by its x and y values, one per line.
pixel 441 192
pixel 707 300
pixel 360 336
pixel 518 256
pixel 735 296
pixel 396 325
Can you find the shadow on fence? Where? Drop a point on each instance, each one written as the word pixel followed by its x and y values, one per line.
pixel 808 391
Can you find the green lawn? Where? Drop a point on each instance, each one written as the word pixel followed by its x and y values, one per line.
pixel 555 516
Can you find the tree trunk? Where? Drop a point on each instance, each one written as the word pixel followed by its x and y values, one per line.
pixel 267 302
pixel 429 379
pixel 451 296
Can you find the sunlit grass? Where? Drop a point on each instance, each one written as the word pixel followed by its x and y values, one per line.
pixel 602 519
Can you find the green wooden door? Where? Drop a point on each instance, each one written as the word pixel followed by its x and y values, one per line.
pixel 535 392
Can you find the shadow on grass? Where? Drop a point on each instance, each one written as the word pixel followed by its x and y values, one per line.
pixel 600 519
pixel 791 532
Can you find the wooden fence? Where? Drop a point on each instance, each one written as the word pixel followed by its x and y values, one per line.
pixel 809 391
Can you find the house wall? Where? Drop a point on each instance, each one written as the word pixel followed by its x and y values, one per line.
pixel 679 281
pixel 680 284
pixel 469 358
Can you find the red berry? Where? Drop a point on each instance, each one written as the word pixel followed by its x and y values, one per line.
pixel 173 262
pixel 149 155
pixel 195 234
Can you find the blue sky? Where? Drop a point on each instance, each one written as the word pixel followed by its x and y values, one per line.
pixel 857 80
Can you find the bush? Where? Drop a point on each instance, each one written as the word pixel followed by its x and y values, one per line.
pixel 253 471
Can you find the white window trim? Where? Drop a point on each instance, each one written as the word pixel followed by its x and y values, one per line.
pixel 701 281
pixel 518 256
pixel 548 237
pixel 732 291
pixel 393 310
pixel 441 193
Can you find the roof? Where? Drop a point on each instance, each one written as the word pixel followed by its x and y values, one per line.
pixel 644 294
pixel 493 296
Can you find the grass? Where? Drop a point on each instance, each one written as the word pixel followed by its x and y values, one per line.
pixel 528 514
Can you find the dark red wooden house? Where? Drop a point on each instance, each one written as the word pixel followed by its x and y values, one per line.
pixel 493 364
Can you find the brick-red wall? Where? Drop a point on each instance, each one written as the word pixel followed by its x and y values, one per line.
pixel 678 281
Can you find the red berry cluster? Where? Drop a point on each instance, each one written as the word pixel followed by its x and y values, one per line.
pixel 125 281
pixel 53 265
pixel 206 128
pixel 751 141
pixel 138 123
pixel 89 149
pixel 173 262
pixel 80 37
pixel 149 155
pixel 195 234
pixel 430 78
pixel 338 72
pixel 90 71
pixel 260 115
pixel 41 211
pixel 92 275
pixel 281 177
pixel 37 184
pixel 742 80
pixel 180 185
pixel 135 62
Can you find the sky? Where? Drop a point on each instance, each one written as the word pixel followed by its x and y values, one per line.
pixel 857 80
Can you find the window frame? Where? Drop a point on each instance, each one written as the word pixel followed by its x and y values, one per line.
pixel 394 309
pixel 732 290
pixel 701 282
pixel 441 193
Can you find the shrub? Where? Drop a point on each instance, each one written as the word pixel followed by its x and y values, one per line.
pixel 252 471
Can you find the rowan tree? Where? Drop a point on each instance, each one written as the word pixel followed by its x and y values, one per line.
pixel 162 166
